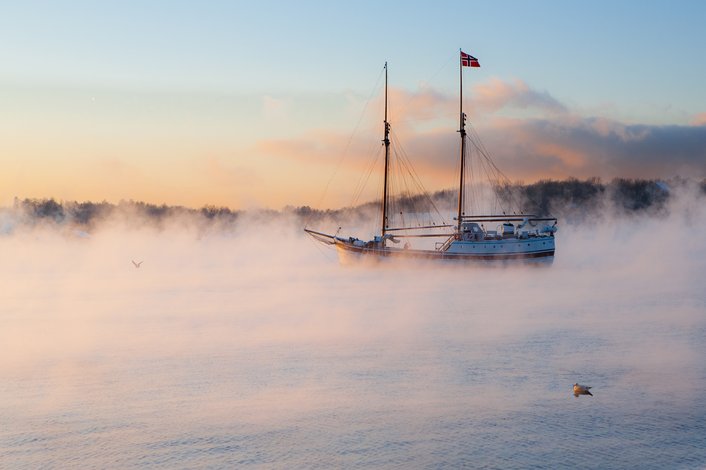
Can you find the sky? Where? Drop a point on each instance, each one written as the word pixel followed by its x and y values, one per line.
pixel 267 104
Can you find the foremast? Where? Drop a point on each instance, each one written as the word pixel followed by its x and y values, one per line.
pixel 386 141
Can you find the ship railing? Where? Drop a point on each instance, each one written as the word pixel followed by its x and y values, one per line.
pixel 505 218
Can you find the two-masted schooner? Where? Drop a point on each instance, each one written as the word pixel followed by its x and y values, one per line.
pixel 515 237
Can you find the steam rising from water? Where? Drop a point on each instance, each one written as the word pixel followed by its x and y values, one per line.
pixel 255 346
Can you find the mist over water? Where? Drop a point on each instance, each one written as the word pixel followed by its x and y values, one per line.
pixel 254 346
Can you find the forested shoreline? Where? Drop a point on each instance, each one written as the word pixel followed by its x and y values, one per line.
pixel 572 199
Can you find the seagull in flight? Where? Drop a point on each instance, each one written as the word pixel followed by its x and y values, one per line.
pixel 581 390
pixel 137 265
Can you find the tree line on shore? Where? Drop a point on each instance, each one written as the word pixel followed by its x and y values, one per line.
pixel 88 214
pixel 571 199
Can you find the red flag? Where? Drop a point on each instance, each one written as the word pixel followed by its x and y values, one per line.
pixel 467 60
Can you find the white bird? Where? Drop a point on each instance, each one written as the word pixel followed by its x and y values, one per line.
pixel 581 390
pixel 137 265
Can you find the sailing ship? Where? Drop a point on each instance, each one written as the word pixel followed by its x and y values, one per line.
pixel 520 236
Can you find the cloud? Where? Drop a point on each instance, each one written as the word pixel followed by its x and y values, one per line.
pixel 531 149
pixel 302 168
pixel 408 111
pixel 423 104
pixel 496 94
pixel 312 147
pixel 485 98
pixel 699 120
pixel 601 147
pixel 321 148
pixel 555 142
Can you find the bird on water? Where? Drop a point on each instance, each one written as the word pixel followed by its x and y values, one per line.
pixel 582 390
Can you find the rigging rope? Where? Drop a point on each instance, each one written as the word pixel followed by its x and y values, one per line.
pixel 410 178
pixel 499 179
pixel 348 144
pixel 363 180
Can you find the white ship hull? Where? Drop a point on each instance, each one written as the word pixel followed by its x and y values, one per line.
pixel 534 249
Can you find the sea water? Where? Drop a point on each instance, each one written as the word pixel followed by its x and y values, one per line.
pixel 232 350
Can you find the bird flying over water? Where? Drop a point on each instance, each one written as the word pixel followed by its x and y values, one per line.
pixel 137 265
pixel 581 390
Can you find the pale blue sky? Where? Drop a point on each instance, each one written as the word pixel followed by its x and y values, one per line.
pixel 206 80
pixel 636 55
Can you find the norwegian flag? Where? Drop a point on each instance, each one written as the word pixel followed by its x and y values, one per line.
pixel 467 60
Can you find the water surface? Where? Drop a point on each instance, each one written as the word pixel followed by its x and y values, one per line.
pixel 222 351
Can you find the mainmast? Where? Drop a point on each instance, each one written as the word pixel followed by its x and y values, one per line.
pixel 462 131
pixel 386 141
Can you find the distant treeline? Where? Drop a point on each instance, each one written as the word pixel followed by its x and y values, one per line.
pixel 569 199
pixel 572 198
pixel 86 214
pixel 585 197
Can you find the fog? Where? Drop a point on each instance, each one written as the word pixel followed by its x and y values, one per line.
pixel 255 328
